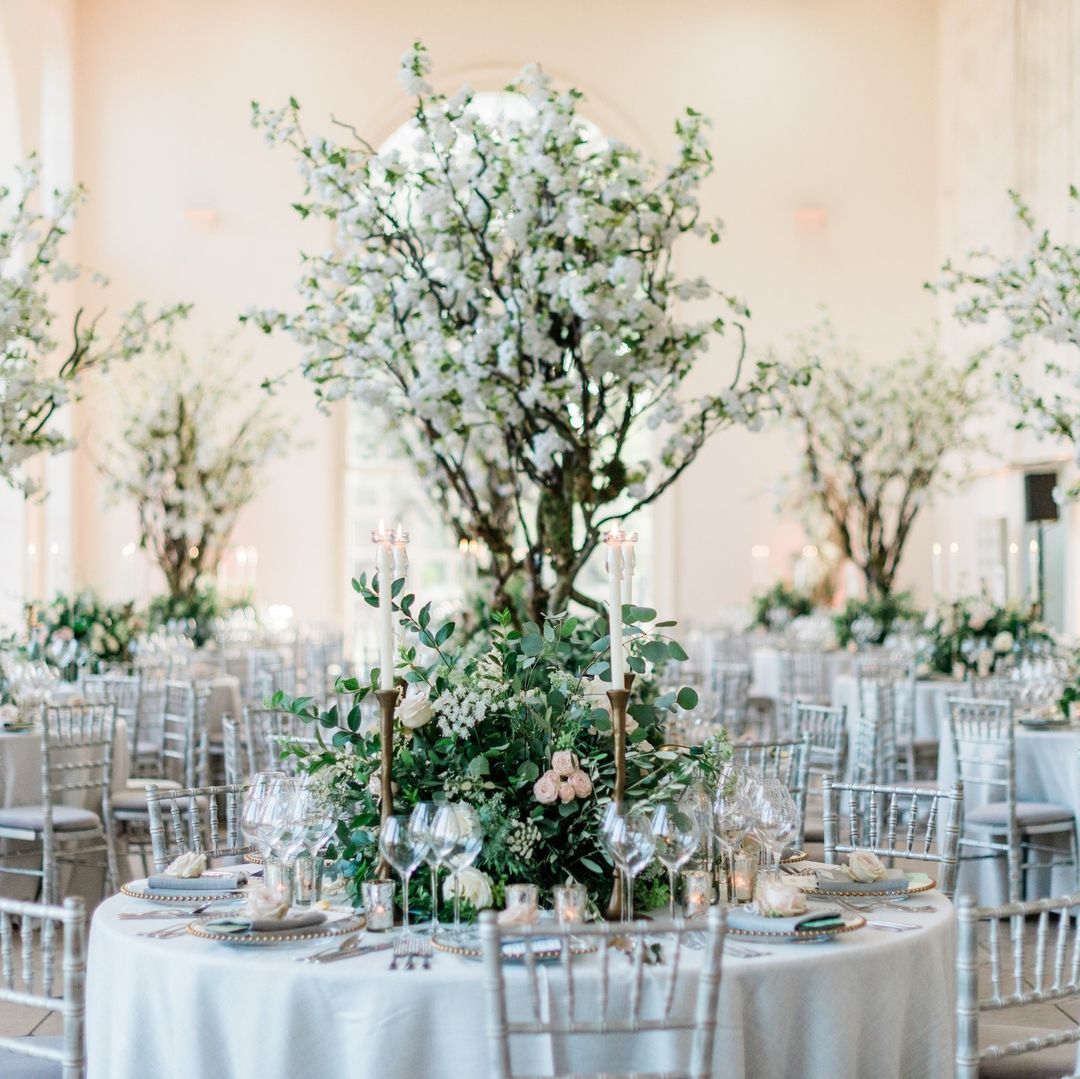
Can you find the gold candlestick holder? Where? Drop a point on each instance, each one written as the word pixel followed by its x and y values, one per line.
pixel 619 699
pixel 388 699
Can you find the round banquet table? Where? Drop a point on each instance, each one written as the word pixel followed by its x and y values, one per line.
pixel 867 1005
pixel 1047 770
pixel 765 669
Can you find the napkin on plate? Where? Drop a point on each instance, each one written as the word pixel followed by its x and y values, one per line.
pixel 830 880
pixel 288 924
pixel 748 920
pixel 216 880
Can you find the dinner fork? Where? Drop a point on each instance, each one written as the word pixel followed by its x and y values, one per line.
pixel 167 931
pixel 400 950
pixel 425 952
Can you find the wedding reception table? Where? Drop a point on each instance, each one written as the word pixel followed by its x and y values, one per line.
pixel 765 670
pixel 869 1005
pixel 1047 770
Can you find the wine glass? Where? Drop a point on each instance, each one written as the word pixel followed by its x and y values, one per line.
pixel 772 820
pixel 404 850
pixel 732 815
pixel 252 819
pixel 438 850
pixel 677 836
pixel 457 828
pixel 631 844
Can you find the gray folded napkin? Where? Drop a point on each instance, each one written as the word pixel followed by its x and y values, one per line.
pixel 266 925
pixel 215 881
pixel 828 881
pixel 750 921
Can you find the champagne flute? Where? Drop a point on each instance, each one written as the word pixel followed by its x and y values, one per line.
pixel 404 850
pixel 677 836
pixel 420 821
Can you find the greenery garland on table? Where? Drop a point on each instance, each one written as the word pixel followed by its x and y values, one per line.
pixel 980 636
pixel 518 729
pixel 870 621
pixel 779 605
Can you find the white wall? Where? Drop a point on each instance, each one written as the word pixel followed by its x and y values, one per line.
pixel 828 104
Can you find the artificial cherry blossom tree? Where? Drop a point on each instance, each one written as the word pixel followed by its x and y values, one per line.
pixel 875 442
pixel 33 388
pixel 1034 297
pixel 190 458
pixel 504 292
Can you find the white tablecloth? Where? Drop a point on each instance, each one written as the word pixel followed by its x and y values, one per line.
pixel 765 668
pixel 871 1005
pixel 1047 770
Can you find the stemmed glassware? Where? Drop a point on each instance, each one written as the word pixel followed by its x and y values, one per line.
pixel 677 835
pixel 439 849
pixel 404 849
pixel 457 830
pixel 733 817
pixel 776 819
pixel 631 844
pixel 255 817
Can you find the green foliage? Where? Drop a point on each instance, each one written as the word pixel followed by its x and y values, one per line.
pixel 484 727
pixel 86 624
pixel 201 606
pixel 870 621
pixel 780 603
pixel 979 636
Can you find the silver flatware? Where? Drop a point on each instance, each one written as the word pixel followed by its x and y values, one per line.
pixel 400 948
pixel 168 912
pixel 893 927
pixel 345 945
pixel 352 953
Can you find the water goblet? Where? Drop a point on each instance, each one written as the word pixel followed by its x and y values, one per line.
pixel 677 836
pixel 457 828
pixel 404 850
pixel 631 844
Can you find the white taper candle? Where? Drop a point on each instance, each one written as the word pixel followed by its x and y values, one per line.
pixel 615 601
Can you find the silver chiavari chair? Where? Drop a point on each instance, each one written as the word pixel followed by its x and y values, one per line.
pixel 605 1003
pixel 984 749
pixel 29 980
pixel 122 692
pixel 788 761
pixel 1050 975
pixel 826 730
pixel 237 765
pixel 894 822
pixel 731 684
pixel 190 820
pixel 76 752
pixel 268 732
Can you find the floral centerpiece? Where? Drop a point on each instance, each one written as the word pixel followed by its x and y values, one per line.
pixel 203 605
pixel 517 728
pixel 190 460
pixel 778 606
pixel 84 631
pixel 979 636
pixel 504 292
pixel 871 620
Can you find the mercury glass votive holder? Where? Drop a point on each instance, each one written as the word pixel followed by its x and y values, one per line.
pixel 378 896
pixel 522 895
pixel 307 880
pixel 743 874
pixel 571 902
pixel 697 891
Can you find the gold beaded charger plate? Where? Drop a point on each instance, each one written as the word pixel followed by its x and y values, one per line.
pixel 138 889
pixel 339 928
pixel 850 923
pixel 253 857
pixel 791 857
pixel 545 949
pixel 916 883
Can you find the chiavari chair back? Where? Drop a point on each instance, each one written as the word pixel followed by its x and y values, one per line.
pixel 182 821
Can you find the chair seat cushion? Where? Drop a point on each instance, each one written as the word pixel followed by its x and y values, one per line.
pixel 17 1066
pixel 65 818
pixel 140 785
pixel 133 801
pixel 996 814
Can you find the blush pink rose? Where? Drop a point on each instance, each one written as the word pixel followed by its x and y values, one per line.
pixel 566 791
pixel 546 789
pixel 581 783
pixel 564 762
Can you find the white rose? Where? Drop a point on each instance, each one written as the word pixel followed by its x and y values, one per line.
pixel 984 662
pixel 865 867
pixel 778 899
pixel 187 865
pixel 473 885
pixel 415 709
pixel 1003 642
pixel 981 613
pixel 266 903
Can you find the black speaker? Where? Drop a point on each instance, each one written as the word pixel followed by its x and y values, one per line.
pixel 1039 504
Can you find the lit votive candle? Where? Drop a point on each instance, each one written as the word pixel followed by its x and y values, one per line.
pixel 570 903
pixel 522 896
pixel 378 898
pixel 697 891
pixel 743 871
